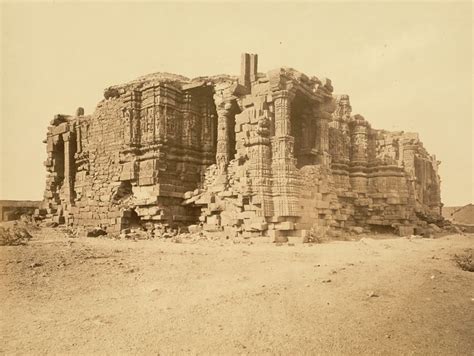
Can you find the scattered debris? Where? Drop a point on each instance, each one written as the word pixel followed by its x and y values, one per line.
pixel 96 232
pixel 70 233
pixel 465 261
pixel 14 236
pixel 177 239
pixel 50 224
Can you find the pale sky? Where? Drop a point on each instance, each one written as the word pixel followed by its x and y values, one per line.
pixel 406 66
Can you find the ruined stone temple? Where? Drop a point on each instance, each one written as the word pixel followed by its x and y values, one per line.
pixel 273 154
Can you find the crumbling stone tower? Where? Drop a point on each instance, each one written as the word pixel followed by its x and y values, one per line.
pixel 274 154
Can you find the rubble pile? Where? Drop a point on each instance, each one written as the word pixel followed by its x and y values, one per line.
pixel 14 235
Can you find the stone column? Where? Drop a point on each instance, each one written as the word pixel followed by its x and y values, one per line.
pixel 207 129
pixel 259 166
pixel 245 70
pixel 322 131
pixel 67 167
pixel 359 154
pixel 282 113
pixel 133 115
pixel 359 141
pixel 285 177
pixel 78 137
pixel 223 147
pixel 346 143
pixel 253 68
pixel 324 140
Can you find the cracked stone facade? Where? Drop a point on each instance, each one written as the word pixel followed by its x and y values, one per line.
pixel 275 154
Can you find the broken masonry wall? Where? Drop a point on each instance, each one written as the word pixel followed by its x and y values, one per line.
pixel 98 168
pixel 235 196
pixel 172 142
pixel 259 191
pixel 174 161
pixel 62 142
pixel 422 182
pixel 134 158
pixel 384 174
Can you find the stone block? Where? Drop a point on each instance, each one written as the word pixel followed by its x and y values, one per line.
pixel 286 225
pixel 356 229
pixel 194 229
pixel 211 228
pixel 257 226
pixel 249 214
pixel 435 228
pixel 276 234
pixel 250 234
pixel 404 230
pixel 321 204
pixel 213 220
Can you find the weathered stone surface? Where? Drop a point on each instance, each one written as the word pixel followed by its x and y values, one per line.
pixel 273 154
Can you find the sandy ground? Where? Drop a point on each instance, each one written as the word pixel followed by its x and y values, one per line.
pixel 373 296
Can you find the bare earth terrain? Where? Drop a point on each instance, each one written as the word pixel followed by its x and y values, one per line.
pixel 373 296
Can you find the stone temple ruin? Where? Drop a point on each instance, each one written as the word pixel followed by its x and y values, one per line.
pixel 275 154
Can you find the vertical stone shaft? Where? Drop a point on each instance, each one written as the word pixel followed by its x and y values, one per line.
pixel 324 141
pixel 78 138
pixel 359 145
pixel 282 114
pixel 135 117
pixel 207 126
pixel 253 67
pixel 245 70
pixel 359 156
pixel 223 147
pixel 285 182
pixel 67 166
pixel 322 135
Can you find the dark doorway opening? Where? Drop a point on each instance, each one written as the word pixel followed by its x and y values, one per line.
pixel 303 129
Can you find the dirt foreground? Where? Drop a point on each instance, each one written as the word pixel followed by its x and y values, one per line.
pixel 373 296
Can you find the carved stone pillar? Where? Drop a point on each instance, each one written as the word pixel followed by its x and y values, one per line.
pixel 282 113
pixel 67 167
pixel 78 138
pixel 259 166
pixel 322 131
pixel 285 175
pixel 207 127
pixel 359 141
pixel 324 140
pixel 131 116
pixel 359 153
pixel 127 126
pixel 223 146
